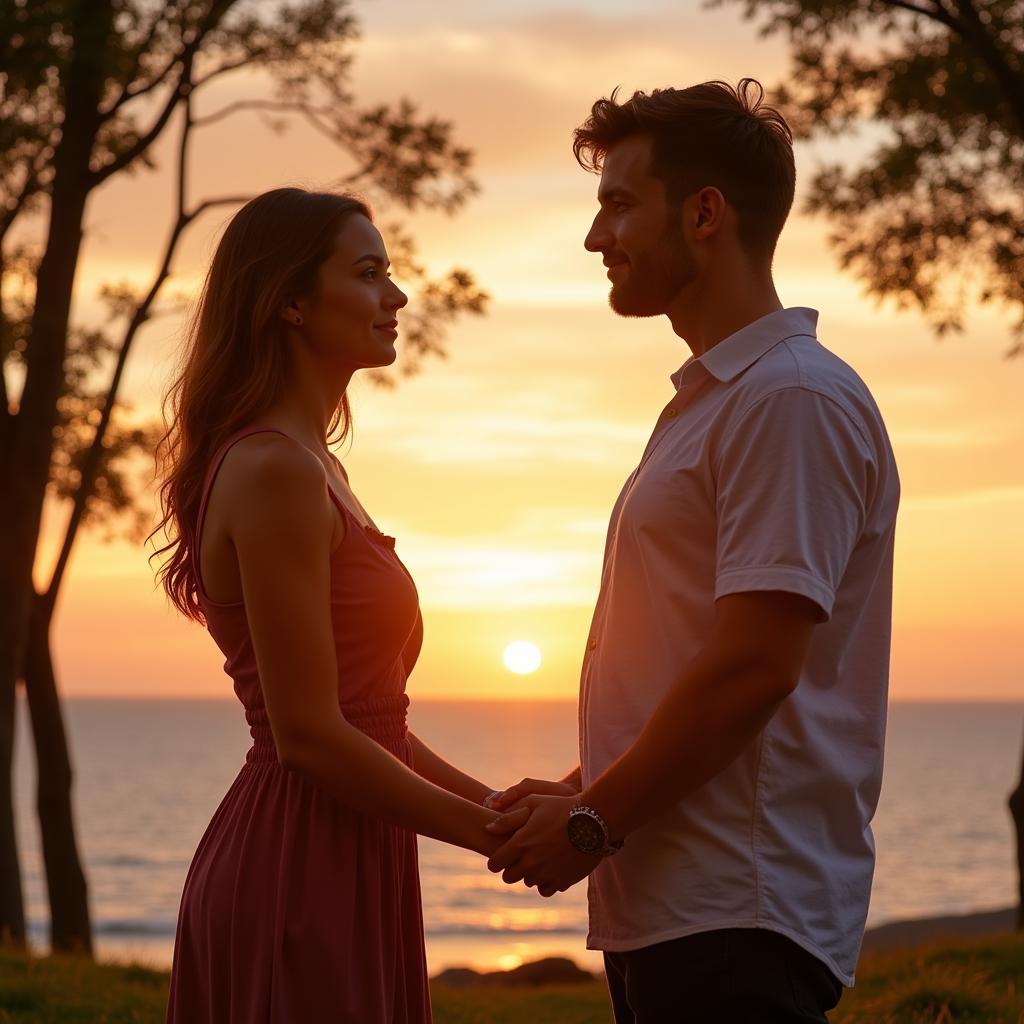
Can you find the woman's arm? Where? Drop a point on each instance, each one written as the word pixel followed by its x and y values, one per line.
pixel 436 769
pixel 282 523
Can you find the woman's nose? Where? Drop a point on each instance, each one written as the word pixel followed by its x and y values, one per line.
pixel 398 298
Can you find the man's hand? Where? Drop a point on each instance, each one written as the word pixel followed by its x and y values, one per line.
pixel 502 801
pixel 539 853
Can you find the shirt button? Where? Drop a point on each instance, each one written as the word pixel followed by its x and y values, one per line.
pixel 591 643
pixel 671 412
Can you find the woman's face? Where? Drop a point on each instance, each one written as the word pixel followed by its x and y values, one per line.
pixel 351 319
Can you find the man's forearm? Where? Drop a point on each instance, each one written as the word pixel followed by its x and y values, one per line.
pixel 701 726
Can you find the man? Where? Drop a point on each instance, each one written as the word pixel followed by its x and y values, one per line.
pixel 733 692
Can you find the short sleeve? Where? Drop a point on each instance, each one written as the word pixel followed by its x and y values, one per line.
pixel 791 491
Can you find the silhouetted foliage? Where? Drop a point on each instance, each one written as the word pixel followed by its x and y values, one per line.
pixel 933 219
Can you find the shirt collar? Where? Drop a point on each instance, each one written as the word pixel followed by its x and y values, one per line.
pixel 740 350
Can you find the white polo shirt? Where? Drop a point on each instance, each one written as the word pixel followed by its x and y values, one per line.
pixel 770 469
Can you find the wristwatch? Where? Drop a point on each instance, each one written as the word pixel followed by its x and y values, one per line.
pixel 589 833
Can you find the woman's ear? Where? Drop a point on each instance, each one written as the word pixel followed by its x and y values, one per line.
pixel 292 314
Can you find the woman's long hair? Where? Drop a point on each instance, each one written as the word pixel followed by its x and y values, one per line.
pixel 236 359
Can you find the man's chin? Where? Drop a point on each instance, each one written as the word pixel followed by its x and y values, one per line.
pixel 625 304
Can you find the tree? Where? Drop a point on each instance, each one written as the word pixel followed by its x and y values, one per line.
pixel 933 218
pixel 1016 804
pixel 87 87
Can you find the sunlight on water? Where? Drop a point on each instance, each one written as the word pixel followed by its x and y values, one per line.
pixel 150 773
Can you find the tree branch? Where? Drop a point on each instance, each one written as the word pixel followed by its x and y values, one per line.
pixel 936 13
pixel 274 106
pixel 5 412
pixel 982 39
pixel 209 204
pixel 186 130
pixel 31 187
pixel 127 93
pixel 945 8
pixel 312 114
pixel 184 86
pixel 224 69
pixel 93 460
pixel 143 143
pixel 94 457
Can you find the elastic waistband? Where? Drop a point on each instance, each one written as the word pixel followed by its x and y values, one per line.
pixel 381 718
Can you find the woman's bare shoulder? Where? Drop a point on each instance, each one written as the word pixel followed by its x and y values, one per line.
pixel 270 475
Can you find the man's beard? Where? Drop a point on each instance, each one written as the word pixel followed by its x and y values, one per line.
pixel 652 282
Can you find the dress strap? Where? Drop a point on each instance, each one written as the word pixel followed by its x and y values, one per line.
pixel 214 466
pixel 211 475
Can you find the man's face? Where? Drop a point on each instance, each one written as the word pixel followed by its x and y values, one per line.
pixel 639 234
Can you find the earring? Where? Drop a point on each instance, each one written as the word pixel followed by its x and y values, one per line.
pixel 297 321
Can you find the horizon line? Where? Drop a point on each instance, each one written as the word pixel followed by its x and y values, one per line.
pixel 458 699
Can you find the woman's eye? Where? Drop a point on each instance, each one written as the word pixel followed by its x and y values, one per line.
pixel 370 273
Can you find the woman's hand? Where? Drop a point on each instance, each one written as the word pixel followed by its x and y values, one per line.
pixel 503 800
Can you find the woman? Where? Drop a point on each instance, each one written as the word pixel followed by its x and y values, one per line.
pixel 302 903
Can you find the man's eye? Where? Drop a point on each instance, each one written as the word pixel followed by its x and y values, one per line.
pixel 370 272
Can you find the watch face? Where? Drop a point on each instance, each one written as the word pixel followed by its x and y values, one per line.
pixel 585 833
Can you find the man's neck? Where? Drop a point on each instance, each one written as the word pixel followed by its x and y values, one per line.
pixel 709 318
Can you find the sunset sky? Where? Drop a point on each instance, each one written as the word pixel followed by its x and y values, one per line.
pixel 496 470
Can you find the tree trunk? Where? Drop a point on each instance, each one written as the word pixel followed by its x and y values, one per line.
pixel 70 929
pixel 27 464
pixel 1016 802
pixel 12 906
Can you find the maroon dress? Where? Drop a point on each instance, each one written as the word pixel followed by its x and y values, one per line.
pixel 296 908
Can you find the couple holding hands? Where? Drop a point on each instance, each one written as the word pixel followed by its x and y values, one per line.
pixel 733 690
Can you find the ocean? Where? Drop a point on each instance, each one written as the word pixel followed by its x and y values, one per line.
pixel 149 774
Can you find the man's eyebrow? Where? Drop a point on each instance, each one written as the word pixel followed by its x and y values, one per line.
pixel 373 258
pixel 610 195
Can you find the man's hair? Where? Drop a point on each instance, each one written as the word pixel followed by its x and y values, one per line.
pixel 709 134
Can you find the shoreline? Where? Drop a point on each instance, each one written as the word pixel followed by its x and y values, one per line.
pixel 883 938
pixel 918 931
pixel 893 935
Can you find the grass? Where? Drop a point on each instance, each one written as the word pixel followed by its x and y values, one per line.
pixel 965 982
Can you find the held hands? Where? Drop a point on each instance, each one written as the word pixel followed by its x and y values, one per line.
pixel 538 852
pixel 503 800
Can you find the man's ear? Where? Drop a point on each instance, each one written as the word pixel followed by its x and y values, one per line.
pixel 708 212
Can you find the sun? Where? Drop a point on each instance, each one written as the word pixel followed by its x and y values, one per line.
pixel 522 657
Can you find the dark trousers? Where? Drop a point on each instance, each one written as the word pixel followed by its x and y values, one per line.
pixel 728 976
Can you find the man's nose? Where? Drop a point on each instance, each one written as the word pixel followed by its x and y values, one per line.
pixel 598 238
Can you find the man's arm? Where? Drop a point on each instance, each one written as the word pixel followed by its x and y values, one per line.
pixel 728 693
pixel 731 689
